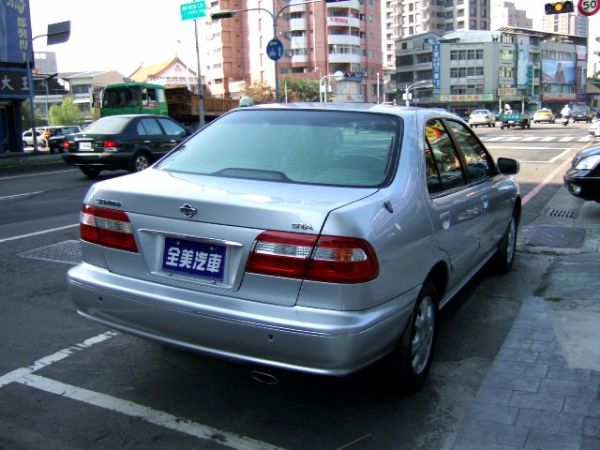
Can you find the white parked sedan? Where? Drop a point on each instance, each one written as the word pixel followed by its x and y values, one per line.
pixel 312 237
pixel 482 117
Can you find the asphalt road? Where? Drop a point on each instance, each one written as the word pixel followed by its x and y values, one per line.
pixel 87 387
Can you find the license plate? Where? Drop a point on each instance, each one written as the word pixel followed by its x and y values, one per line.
pixel 85 146
pixel 511 121
pixel 197 259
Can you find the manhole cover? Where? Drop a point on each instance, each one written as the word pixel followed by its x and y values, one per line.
pixel 559 237
pixel 562 213
pixel 68 252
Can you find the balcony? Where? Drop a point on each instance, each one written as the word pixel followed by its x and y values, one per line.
pixel 355 4
pixel 344 58
pixel 298 24
pixel 297 8
pixel 343 39
pixel 337 21
pixel 297 42
pixel 299 59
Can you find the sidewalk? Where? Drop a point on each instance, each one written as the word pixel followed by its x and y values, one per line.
pixel 543 389
pixel 17 161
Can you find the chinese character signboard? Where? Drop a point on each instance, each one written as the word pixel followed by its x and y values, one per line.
pixel 435 58
pixel 13 83
pixel 522 61
pixel 194 10
pixel 15 29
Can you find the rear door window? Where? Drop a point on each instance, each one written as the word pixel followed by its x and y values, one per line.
pixel 149 127
pixel 442 155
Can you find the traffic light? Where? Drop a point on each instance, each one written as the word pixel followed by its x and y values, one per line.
pixel 559 7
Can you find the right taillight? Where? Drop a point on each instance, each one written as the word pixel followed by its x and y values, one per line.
pixel 330 259
pixel 107 227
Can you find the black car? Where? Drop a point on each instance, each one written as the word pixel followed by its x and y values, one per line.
pixel 582 113
pixel 583 177
pixel 127 141
pixel 57 136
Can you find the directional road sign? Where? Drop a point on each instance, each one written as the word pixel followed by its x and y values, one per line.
pixel 193 10
pixel 274 49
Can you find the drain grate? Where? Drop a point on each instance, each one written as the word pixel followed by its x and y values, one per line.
pixel 562 213
pixel 68 252
pixel 559 237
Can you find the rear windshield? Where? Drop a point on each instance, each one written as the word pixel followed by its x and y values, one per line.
pixel 111 124
pixel 300 146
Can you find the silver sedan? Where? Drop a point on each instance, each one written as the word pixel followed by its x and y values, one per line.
pixel 312 237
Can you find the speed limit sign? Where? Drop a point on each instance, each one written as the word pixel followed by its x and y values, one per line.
pixel 588 7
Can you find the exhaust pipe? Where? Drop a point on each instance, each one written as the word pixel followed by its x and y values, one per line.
pixel 264 377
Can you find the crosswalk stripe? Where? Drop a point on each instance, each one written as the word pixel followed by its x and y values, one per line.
pixel 566 139
pixel 537 138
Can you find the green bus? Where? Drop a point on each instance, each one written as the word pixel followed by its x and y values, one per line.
pixel 133 98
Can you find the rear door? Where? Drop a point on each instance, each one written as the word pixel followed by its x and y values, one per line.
pixel 174 132
pixel 152 137
pixel 455 208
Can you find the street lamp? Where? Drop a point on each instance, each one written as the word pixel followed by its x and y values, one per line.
pixel 57 34
pixel 229 13
pixel 414 86
pixel 323 95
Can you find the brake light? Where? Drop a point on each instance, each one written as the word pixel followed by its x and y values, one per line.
pixel 107 227
pixel 65 145
pixel 329 259
pixel 110 145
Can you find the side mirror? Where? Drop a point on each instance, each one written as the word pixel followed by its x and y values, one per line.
pixel 508 166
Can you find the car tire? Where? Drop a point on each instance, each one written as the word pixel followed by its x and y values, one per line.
pixel 411 359
pixel 90 171
pixel 505 255
pixel 140 161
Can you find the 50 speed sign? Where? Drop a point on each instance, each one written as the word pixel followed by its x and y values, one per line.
pixel 588 7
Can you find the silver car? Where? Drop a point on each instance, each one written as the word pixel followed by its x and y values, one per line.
pixel 482 117
pixel 312 237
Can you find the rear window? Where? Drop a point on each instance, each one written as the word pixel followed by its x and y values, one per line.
pixel 110 124
pixel 306 146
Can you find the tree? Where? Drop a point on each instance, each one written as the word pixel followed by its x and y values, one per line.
pixel 26 115
pixel 65 114
pixel 260 92
pixel 301 90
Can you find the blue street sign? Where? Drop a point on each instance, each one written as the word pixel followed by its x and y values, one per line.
pixel 274 49
pixel 193 10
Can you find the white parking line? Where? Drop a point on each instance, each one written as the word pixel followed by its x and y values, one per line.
pixel 150 415
pixel 37 233
pixel 6 197
pixel 37 174
pixel 26 376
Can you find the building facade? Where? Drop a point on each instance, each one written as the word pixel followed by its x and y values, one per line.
pixel 573 24
pixel 506 14
pixel 319 39
pixel 485 69
pixel 15 34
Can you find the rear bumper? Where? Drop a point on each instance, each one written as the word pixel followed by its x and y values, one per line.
pixel 107 159
pixel 310 340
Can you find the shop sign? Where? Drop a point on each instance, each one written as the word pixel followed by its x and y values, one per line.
pixel 13 84
pixel 507 92
pixel 467 98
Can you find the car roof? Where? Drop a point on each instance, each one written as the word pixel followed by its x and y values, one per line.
pixel 406 113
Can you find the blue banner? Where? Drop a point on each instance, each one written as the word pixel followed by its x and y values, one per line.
pixel 15 30
pixel 436 76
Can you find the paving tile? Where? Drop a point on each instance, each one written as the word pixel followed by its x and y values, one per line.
pixel 544 402
pixel 494 413
pixel 546 346
pixel 568 387
pixel 589 407
pixel 512 381
pixel 532 334
pixel 530 323
pixel 517 342
pixel 487 434
pixel 550 420
pixel 566 373
pixel 591 427
pixel 554 358
pixel 493 396
pixel 590 443
pixel 540 440
pixel 517 355
pixel 521 368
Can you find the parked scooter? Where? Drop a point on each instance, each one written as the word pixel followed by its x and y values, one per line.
pixel 565 120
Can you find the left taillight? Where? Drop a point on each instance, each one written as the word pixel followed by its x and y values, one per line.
pixel 107 227
pixel 65 145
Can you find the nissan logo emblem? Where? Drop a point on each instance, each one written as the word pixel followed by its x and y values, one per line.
pixel 188 210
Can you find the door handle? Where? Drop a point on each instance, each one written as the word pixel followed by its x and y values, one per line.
pixel 445 220
pixel 485 201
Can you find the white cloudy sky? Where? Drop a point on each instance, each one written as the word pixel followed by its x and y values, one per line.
pixel 122 34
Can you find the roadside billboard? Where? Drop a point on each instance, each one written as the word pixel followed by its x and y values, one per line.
pixel 522 61
pixel 558 72
pixel 15 29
